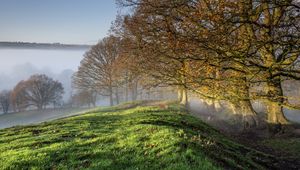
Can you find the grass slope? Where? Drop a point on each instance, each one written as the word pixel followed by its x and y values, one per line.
pixel 125 138
pixel 290 145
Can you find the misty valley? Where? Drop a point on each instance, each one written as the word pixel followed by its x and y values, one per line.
pixel 150 84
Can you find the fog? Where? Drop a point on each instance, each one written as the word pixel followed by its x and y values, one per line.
pixel 20 64
pixel 55 60
pixel 36 116
pixel 222 117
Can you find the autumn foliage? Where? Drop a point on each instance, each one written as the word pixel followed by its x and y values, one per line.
pixel 234 52
pixel 38 92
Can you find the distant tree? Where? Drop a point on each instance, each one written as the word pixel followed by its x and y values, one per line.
pixel 19 97
pixel 5 100
pixel 84 98
pixel 38 91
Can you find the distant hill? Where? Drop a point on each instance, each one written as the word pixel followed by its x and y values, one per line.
pixel 28 45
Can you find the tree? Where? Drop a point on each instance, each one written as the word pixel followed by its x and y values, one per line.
pixel 96 71
pixel 276 35
pixel 167 43
pixel 235 46
pixel 151 54
pixel 259 41
pixel 38 91
pixel 84 98
pixel 19 97
pixel 5 100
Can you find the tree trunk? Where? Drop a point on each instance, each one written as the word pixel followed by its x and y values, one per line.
pixel 117 96
pixel 126 92
pixel 111 100
pixel 249 116
pixel 134 91
pixel 94 99
pixel 245 114
pixel 275 114
pixel 179 94
pixel 216 106
pixel 184 95
pixel 133 95
pixel 148 94
pixel 184 100
pixel 216 103
pixel 243 107
pixel 126 86
pixel 275 111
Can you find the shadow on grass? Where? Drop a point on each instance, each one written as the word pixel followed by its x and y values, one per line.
pixel 223 151
pixel 144 138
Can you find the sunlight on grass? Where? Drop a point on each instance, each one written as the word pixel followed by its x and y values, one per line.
pixel 137 138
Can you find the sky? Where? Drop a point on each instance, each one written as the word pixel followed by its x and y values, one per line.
pixel 56 21
pixel 54 60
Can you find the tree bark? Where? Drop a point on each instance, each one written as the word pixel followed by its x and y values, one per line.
pixel 126 86
pixel 117 96
pixel 275 114
pixel 126 92
pixel 243 107
pixel 40 107
pixel 134 91
pixel 249 118
pixel 184 100
pixel 245 113
pixel 111 100
pixel 179 94
pixel 216 106
pixel 275 111
pixel 149 94
pixel 184 94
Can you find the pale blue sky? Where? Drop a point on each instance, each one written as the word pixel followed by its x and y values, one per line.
pixel 49 21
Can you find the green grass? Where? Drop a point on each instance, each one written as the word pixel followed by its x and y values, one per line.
pixel 290 145
pixel 125 138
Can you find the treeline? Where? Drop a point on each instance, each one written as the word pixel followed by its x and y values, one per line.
pixel 38 92
pixel 233 51
pixel 28 45
pixel 107 70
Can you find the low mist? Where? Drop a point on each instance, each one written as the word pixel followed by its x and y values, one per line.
pixel 20 64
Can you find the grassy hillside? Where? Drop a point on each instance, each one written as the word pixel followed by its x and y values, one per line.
pixel 287 145
pixel 126 138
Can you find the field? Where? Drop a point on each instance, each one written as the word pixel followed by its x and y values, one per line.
pixel 128 137
pixel 35 116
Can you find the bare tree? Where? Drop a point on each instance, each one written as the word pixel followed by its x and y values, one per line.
pixel 5 100
pixel 19 97
pixel 38 91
